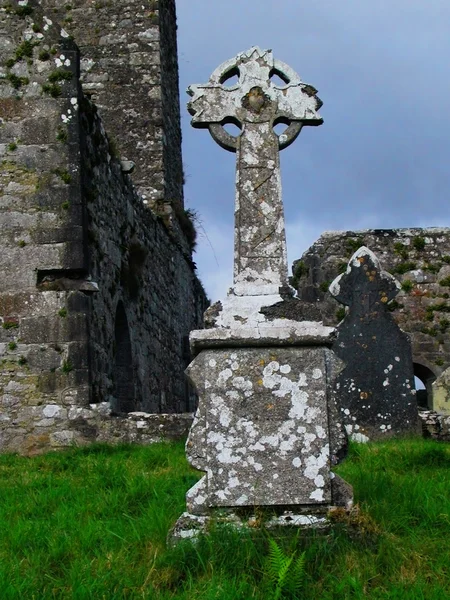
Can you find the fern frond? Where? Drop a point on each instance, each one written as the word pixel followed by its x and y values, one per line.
pixel 283 577
pixel 298 572
pixel 275 561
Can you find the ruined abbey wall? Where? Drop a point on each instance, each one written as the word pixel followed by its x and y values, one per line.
pixel 418 258
pixel 129 69
pixel 97 292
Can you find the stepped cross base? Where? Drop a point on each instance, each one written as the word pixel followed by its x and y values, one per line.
pixel 190 527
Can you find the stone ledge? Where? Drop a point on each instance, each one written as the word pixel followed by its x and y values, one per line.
pixel 306 333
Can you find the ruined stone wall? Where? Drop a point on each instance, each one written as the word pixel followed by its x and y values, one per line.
pixel 43 335
pixel 142 271
pixel 129 68
pixel 92 284
pixel 418 258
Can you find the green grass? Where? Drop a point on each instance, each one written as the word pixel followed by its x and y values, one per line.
pixel 91 523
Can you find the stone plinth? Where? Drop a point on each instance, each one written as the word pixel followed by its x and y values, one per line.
pixel 267 430
pixel 261 432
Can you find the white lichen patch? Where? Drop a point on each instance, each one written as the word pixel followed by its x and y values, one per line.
pixel 316 374
pixel 317 495
pixel 354 435
pixel 62 61
pixel 51 410
pixel 224 376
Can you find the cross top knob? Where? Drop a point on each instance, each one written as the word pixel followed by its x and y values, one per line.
pixel 256 103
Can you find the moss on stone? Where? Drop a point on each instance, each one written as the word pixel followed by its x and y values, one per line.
pixel 60 75
pixel 52 89
pixel 418 242
pixel 24 50
pixel 407 285
pixel 402 268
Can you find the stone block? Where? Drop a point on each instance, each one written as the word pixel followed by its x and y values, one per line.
pixel 47 329
pixel 77 355
pixel 43 358
pixel 261 431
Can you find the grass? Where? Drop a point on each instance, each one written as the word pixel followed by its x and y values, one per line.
pixel 91 523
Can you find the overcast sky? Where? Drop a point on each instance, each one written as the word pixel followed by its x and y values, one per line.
pixel 381 158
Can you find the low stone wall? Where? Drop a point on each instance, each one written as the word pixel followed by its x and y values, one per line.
pixel 435 425
pixel 57 427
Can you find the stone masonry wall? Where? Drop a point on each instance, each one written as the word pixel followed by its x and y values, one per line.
pixel 418 258
pixel 92 284
pixel 43 335
pixel 129 68
pixel 142 271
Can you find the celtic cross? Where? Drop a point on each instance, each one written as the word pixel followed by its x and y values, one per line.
pixel 256 103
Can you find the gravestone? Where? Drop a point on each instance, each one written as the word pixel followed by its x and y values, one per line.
pixel 266 430
pixel 441 393
pixel 375 390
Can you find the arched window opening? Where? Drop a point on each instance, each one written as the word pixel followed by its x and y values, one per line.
pixel 123 390
pixel 423 380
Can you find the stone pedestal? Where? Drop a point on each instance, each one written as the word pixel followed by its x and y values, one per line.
pixel 266 431
pixel 261 433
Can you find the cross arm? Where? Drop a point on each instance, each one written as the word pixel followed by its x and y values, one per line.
pixel 212 103
pixel 298 102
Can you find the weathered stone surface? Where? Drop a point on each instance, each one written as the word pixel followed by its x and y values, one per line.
pixel 375 390
pixel 441 393
pixel 129 51
pixel 256 104
pixel 87 272
pixel 190 526
pixel 261 432
pixel 435 425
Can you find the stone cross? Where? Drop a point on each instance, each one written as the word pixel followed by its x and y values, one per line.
pixel 256 103
pixel 265 432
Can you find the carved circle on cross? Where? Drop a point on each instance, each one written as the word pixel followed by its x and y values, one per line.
pixel 255 97
pixel 230 69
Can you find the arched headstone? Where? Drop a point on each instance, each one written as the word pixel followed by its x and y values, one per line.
pixel 375 391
